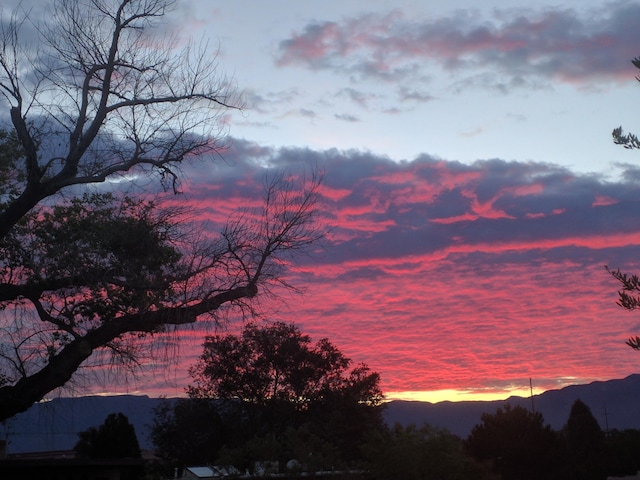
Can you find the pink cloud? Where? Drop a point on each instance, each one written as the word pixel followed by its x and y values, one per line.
pixel 335 194
pixel 603 201
pixel 318 41
pixel 447 276
pixel 557 44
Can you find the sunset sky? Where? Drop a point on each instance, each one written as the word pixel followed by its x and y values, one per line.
pixel 472 189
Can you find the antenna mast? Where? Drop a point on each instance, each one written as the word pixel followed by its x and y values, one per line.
pixel 533 408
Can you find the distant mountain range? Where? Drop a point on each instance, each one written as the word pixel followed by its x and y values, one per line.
pixel 614 403
pixel 54 425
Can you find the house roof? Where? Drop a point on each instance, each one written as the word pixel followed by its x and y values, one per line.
pixel 213 471
pixel 201 472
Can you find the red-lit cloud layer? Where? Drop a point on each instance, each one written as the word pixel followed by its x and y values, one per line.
pixel 441 275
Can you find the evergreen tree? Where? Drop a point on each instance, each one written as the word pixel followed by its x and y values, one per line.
pixel 585 444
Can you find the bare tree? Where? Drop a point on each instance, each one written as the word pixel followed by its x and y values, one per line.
pixel 99 272
pixel 102 96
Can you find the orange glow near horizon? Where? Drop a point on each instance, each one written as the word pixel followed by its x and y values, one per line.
pixel 450 395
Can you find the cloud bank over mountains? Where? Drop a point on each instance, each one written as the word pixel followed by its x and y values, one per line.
pixel 471 188
pixel 449 274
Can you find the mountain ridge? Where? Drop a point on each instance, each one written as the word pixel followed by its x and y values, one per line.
pixel 614 403
pixel 54 425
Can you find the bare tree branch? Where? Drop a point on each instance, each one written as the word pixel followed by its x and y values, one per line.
pixel 123 99
pixel 99 95
pixel 122 292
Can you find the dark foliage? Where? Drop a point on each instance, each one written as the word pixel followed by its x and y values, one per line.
pixel 90 277
pixel 192 431
pixel 623 452
pixel 115 438
pixel 424 453
pixel 629 294
pixel 517 443
pixel 287 398
pixel 585 443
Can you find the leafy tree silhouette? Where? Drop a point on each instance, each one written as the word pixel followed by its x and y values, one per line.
pixel 192 431
pixel 115 438
pixel 622 452
pixel 516 442
pixel 283 392
pixel 420 453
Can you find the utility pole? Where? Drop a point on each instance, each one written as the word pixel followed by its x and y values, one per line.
pixel 533 408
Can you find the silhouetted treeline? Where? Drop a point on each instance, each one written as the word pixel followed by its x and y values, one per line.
pixel 510 443
pixel 515 444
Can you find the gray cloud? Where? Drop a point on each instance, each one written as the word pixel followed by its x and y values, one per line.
pixel 387 209
pixel 347 117
pixel 514 49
